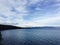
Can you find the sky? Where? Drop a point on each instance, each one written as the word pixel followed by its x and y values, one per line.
pixel 30 13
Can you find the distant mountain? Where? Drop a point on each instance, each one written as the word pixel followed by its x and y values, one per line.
pixel 7 27
pixel 45 27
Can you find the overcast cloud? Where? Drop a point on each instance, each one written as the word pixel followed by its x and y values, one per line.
pixel 30 12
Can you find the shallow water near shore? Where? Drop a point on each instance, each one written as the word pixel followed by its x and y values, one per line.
pixel 31 37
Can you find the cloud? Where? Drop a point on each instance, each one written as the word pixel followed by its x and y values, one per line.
pixel 46 21
pixel 30 12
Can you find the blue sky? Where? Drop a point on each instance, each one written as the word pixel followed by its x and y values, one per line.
pixel 27 13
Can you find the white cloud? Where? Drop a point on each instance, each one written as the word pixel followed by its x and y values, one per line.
pixel 15 10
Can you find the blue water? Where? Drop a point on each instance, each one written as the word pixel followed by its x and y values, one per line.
pixel 31 37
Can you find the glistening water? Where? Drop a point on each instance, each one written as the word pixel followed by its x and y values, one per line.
pixel 31 37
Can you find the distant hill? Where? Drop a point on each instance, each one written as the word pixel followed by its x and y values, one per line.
pixel 45 27
pixel 7 27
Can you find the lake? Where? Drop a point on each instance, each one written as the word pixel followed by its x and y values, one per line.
pixel 31 37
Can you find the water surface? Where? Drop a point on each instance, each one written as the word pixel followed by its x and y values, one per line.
pixel 31 37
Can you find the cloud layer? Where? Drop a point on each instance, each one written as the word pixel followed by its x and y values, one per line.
pixel 28 13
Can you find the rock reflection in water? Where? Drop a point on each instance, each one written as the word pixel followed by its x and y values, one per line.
pixel 0 38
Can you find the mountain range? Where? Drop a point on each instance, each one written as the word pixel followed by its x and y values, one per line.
pixel 8 27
